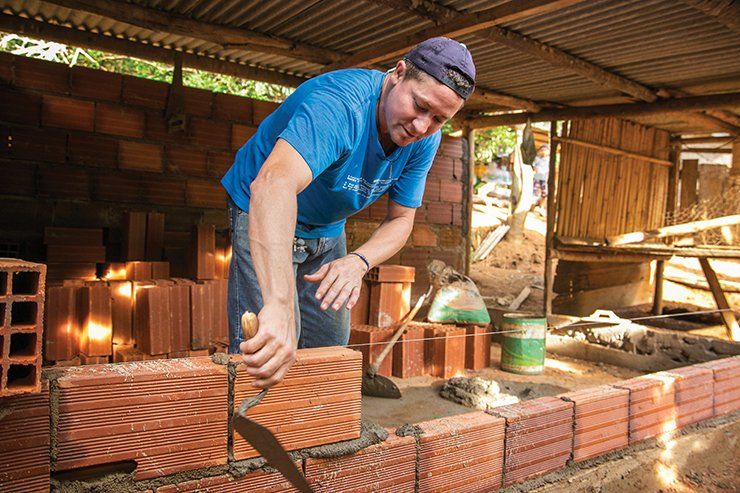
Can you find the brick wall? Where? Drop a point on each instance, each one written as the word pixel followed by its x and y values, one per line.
pixel 81 146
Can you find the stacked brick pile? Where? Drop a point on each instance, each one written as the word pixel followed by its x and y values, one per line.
pixel 184 427
pixel 21 326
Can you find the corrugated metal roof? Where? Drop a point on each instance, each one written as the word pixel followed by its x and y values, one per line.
pixel 657 43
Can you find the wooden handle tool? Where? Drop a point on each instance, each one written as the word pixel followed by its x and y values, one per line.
pixel 250 326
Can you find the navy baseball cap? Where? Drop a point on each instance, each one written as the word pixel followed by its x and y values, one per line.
pixel 448 61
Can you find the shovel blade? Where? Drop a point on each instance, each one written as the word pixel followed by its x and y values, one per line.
pixel 379 386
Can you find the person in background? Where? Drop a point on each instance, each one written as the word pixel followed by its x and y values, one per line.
pixel 541 171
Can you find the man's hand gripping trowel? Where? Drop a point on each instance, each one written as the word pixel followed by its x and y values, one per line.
pixel 260 437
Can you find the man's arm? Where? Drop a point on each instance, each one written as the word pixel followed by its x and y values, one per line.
pixel 342 278
pixel 272 220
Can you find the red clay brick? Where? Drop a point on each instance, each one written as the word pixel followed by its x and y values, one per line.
pixel 439 213
pixel 319 401
pixel 201 315
pixel 423 236
pixel 389 302
pixel 95 84
pixel 379 209
pixel 601 421
pixel 35 144
pixel 59 272
pixel 95 320
pixel 198 101
pixel 73 236
pixel 134 236
pixel 61 337
pixel 444 350
pixel 19 106
pixel 359 313
pixel 179 318
pixel 6 68
pixel 24 443
pixel 652 406
pixel 18 180
pixel 42 75
pixel 478 347
pixel 118 187
pixel 145 92
pixel 539 435
pixel 223 256
pixel 261 110
pixel 209 133
pixel 189 161
pixel 408 353
pixel 161 190
pixel 109 413
pixel 157 129
pixel 254 482
pixel 152 329
pixel 64 182
pixel 694 394
pixel 231 107
pixel 451 191
pixel 139 156
pixel 91 150
pixel 219 163
pixel 463 453
pixel 726 387
pixel 123 354
pixel 432 190
pixel 94 360
pixel 203 252
pixel 160 270
pixel 154 237
pixel 370 341
pixel 119 120
pixel 75 114
pixel 75 253
pixel 457 214
pixel 202 193
pixel 442 168
pixel 121 312
pixel 240 134
pixel 388 467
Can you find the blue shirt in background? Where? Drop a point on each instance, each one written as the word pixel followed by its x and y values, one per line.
pixel 331 121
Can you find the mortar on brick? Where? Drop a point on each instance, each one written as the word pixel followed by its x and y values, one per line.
pixel 416 432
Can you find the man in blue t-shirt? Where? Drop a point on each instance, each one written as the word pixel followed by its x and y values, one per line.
pixel 339 142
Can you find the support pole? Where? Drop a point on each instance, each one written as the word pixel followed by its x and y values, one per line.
pixel 552 192
pixel 658 297
pixel 728 317
pixel 468 178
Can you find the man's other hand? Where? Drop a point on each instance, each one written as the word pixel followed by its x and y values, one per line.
pixel 270 354
pixel 340 281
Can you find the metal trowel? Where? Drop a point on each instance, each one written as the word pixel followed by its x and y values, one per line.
pixel 375 385
pixel 259 437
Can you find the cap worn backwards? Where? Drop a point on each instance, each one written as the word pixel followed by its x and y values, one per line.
pixel 448 61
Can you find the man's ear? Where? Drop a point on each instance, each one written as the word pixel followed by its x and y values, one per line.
pixel 400 70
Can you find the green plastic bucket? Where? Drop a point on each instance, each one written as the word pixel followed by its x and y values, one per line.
pixel 523 350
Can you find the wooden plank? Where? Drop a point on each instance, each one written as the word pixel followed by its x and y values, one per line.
pixel 674 230
pixel 728 317
pixel 617 152
pixel 553 192
pixel 689 181
pixel 623 110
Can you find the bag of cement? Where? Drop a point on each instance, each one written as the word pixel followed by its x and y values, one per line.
pixel 457 299
pixel 528 146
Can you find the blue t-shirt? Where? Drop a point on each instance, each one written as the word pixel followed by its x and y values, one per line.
pixel 331 121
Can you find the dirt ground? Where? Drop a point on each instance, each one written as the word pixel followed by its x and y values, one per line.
pixel 420 399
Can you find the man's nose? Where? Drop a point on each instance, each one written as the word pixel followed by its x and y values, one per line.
pixel 421 125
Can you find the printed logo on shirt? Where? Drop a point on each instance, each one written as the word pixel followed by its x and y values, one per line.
pixel 366 188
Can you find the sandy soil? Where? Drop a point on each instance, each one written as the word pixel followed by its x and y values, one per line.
pixel 420 399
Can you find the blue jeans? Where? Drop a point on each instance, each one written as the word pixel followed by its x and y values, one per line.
pixel 314 327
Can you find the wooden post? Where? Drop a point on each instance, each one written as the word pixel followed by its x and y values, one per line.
pixel 468 184
pixel 733 331
pixel 552 193
pixel 689 179
pixel 658 297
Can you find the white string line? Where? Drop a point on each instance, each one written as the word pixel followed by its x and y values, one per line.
pixel 549 327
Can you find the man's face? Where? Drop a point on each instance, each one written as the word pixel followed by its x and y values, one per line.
pixel 415 108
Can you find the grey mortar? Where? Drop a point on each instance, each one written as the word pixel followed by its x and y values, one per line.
pixel 409 430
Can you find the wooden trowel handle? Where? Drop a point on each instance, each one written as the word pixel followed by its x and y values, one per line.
pixel 250 325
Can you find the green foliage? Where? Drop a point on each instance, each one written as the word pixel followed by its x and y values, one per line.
pixel 494 142
pixel 69 55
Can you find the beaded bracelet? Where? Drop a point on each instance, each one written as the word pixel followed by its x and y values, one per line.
pixel 363 258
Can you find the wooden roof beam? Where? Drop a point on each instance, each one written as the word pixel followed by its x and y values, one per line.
pixel 85 39
pixel 676 105
pixel 222 35
pixel 461 25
